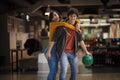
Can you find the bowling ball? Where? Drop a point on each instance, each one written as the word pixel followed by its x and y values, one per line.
pixel 87 60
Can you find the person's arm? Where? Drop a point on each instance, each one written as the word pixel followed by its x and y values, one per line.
pixel 83 46
pixel 48 54
pixel 55 38
pixel 78 27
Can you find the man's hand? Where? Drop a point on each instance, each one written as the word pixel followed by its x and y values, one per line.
pixel 88 53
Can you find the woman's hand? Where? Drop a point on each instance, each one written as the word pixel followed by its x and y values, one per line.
pixel 78 27
pixel 48 55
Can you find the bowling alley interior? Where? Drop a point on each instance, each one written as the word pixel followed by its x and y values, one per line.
pixel 24 32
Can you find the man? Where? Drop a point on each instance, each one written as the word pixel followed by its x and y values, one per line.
pixel 70 41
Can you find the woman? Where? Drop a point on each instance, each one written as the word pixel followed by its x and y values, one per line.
pixel 50 51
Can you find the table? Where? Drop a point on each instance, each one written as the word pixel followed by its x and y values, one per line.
pixel 17 56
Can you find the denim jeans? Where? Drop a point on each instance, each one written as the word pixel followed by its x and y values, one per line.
pixel 53 64
pixel 73 61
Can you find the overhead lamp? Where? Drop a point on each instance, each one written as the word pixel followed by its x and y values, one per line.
pixel 47 12
pixel 28 18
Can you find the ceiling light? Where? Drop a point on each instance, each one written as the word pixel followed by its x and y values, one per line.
pixel 47 13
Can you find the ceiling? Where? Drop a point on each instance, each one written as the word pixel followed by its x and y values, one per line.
pixel 38 7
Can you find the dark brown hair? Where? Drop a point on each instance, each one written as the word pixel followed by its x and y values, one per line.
pixel 51 15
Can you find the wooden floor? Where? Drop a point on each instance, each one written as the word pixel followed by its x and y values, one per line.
pixel 96 73
pixel 96 76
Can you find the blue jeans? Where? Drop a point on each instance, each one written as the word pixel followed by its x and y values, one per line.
pixel 73 61
pixel 53 64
